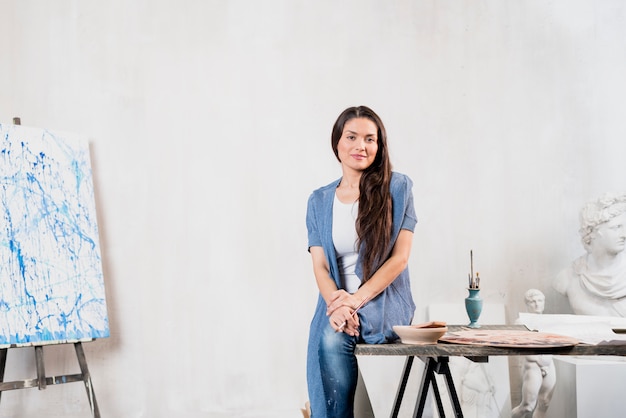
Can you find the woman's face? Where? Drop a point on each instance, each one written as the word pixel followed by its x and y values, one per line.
pixel 358 144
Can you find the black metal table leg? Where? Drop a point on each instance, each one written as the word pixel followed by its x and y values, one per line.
pixel 427 377
pixel 444 368
pixel 402 387
pixel 442 412
pixel 439 365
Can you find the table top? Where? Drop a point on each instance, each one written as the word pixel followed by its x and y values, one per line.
pixel 467 350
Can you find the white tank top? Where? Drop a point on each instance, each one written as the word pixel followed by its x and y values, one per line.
pixel 344 238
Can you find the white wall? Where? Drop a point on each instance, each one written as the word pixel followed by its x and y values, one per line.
pixel 210 123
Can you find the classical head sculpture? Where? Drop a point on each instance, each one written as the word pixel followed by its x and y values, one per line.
pixel 595 283
pixel 599 212
pixel 535 300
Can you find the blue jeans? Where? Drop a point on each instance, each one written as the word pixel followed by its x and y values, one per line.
pixel 339 370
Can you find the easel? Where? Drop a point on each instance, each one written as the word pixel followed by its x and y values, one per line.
pixel 42 381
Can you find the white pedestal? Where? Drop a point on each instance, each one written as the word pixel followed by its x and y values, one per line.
pixel 588 387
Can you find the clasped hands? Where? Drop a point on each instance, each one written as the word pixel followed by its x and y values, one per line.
pixel 341 312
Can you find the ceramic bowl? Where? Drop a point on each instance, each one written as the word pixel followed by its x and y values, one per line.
pixel 410 334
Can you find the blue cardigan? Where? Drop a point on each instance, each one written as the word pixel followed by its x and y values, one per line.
pixel 394 306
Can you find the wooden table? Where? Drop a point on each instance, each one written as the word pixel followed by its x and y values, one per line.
pixel 436 357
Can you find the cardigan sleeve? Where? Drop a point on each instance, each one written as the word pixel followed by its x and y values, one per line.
pixel 312 226
pixel 402 195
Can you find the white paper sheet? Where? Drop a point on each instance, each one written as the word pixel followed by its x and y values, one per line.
pixel 585 328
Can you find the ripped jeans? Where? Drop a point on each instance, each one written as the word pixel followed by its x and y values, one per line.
pixel 339 369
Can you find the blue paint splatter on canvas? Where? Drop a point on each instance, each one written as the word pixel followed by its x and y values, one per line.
pixel 51 280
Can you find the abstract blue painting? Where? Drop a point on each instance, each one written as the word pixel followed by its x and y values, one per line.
pixel 51 279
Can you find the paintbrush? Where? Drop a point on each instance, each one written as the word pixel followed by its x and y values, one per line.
pixel 352 314
pixel 471 269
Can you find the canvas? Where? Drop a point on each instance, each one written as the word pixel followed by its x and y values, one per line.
pixel 51 279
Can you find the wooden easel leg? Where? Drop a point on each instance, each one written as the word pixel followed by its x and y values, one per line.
pixel 3 363
pixel 82 362
pixel 41 371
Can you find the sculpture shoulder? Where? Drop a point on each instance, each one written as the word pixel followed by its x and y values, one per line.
pixel 563 280
pixel 569 275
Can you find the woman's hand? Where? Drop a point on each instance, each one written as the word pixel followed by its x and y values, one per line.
pixel 341 298
pixel 344 319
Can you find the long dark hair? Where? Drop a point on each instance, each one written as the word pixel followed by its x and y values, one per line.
pixel 373 223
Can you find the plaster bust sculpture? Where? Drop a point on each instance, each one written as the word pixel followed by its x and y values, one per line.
pixel 595 283
pixel 538 371
pixel 535 301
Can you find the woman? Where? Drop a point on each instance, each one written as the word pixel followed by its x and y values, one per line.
pixel 360 229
